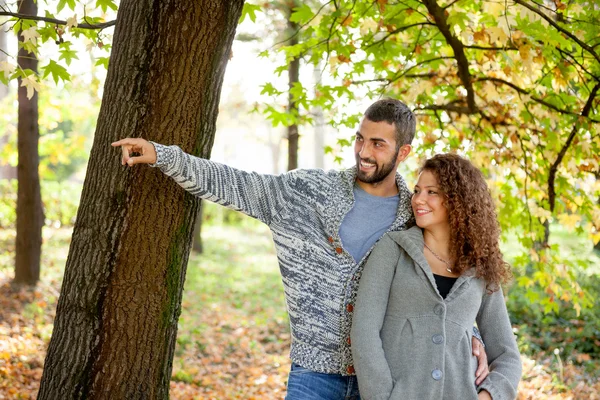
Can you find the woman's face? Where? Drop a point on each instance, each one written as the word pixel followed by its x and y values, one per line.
pixel 427 203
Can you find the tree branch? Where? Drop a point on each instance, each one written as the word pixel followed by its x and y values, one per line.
pixel 534 98
pixel 397 30
pixel 441 20
pixel 554 168
pixel 100 26
pixel 475 47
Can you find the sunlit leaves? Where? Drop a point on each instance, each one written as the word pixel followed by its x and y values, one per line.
pixel 529 81
pixel 60 38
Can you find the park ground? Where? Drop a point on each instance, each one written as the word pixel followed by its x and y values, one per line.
pixel 233 339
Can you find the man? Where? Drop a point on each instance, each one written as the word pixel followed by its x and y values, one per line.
pixel 324 225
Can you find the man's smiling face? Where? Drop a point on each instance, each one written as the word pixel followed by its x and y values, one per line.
pixel 376 151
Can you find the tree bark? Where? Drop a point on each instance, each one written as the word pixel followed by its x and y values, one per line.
pixel 116 323
pixel 30 215
pixel 293 77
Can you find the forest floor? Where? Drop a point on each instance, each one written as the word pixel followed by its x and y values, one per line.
pixel 233 339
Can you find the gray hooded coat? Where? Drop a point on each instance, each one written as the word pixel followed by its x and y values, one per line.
pixel 410 343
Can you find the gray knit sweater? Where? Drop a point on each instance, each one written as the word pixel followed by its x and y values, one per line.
pixel 411 344
pixel 304 210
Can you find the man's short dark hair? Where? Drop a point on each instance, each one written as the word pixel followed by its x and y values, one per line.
pixel 397 113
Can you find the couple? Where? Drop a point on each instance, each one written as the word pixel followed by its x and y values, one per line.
pixel 406 332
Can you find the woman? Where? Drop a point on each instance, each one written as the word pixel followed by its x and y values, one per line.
pixel 422 290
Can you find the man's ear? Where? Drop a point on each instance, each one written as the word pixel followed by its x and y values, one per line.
pixel 403 152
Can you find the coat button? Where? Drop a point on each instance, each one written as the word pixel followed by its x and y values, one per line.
pixel 349 307
pixel 438 309
pixel 437 339
pixel 350 369
pixel 348 341
pixel 330 239
pixel 436 374
pixel 338 250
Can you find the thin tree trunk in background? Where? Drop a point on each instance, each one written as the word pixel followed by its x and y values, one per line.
pixel 116 321
pixel 30 215
pixel 198 246
pixel 597 244
pixel 319 127
pixel 294 77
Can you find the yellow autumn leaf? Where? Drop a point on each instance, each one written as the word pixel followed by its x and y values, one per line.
pixel 367 26
pixel 490 92
pixel 72 22
pixel 32 84
pixel 493 8
pixel 569 220
pixel 31 35
pixel 497 35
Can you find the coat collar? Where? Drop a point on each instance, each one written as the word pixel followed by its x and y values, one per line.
pixel 413 243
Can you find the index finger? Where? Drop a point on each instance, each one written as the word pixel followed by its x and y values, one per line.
pixel 127 141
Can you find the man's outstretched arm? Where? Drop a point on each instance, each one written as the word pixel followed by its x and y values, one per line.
pixel 257 195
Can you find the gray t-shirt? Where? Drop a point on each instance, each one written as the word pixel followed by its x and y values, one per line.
pixel 368 220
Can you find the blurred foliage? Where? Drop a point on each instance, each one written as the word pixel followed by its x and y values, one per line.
pixel 64 23
pixel 60 201
pixel 563 330
pixel 512 85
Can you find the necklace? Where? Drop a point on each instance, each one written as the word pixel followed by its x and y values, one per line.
pixel 448 265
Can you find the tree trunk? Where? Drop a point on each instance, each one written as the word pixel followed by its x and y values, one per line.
pixel 597 244
pixel 116 322
pixel 294 77
pixel 198 246
pixel 319 125
pixel 30 215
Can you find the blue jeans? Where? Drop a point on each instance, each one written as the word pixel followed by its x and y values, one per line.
pixel 304 384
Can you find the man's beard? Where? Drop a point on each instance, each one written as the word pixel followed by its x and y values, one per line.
pixel 380 173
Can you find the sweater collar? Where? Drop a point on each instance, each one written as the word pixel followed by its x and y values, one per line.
pixel 340 200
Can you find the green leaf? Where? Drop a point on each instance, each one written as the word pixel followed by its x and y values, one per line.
pixel 344 142
pixel 106 4
pixel 66 53
pixel 57 71
pixel 249 11
pixel 302 14
pixel 102 61
pixel 62 3
pixel 269 89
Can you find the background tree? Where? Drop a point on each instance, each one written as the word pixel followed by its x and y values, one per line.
pixel 30 215
pixel 116 322
pixel 513 85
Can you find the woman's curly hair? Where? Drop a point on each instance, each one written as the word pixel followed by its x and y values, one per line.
pixel 474 229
